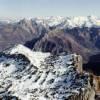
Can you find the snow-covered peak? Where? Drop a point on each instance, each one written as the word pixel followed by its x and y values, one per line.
pixel 60 21
pixel 51 21
pixel 80 21
pixel 69 22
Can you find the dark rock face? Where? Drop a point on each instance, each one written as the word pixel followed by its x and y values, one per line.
pixel 76 40
pixel 8 98
pixel 58 41
pixel 93 65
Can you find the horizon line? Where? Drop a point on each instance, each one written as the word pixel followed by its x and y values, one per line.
pixel 26 17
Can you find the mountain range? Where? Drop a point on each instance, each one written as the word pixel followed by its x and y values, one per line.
pixel 79 35
pixel 40 58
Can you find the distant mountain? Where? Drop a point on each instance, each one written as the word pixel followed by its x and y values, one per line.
pixel 19 32
pixel 69 22
pixel 54 34
pixel 84 41
pixel 28 75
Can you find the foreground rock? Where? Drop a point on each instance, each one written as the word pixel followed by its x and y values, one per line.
pixel 28 75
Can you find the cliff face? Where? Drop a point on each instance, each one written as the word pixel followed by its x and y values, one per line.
pixel 87 94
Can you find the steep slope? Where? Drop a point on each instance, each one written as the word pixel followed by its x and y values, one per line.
pixel 19 32
pixel 29 75
pixel 57 42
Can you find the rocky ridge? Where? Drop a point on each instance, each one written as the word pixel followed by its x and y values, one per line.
pixel 28 75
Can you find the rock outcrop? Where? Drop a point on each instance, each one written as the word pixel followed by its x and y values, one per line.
pixel 78 63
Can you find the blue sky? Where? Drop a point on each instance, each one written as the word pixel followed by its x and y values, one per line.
pixel 33 8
